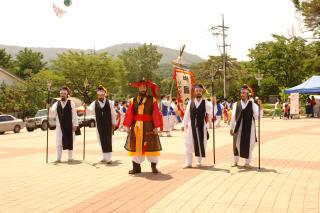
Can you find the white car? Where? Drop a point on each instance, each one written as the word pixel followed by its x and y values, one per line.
pixel 90 121
pixel 10 123
pixel 40 120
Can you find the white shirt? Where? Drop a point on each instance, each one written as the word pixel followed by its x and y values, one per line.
pixel 53 112
pixel 215 108
pixel 255 109
pixel 92 109
pixel 186 118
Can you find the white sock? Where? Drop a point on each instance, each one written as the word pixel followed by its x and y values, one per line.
pixel 199 160
pixel 69 154
pixel 236 159
pixel 188 158
pixel 59 152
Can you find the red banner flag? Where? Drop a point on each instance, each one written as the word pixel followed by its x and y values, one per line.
pixel 184 83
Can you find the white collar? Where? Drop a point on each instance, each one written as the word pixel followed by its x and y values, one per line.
pixel 103 101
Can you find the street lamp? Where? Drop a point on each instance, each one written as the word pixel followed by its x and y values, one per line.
pixel 259 77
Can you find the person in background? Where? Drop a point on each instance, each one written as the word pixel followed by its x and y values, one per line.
pixel 225 111
pixel 276 109
pixel 173 113
pixel 313 103
pixel 165 112
pixel 308 107
pixel 123 110
pixel 218 114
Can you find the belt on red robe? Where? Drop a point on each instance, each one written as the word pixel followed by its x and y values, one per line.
pixel 142 118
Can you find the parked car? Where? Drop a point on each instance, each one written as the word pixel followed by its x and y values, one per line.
pixel 90 121
pixel 10 123
pixel 40 120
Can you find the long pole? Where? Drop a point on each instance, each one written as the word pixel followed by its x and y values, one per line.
pixel 48 108
pixel 259 130
pixel 224 58
pixel 85 84
pixel 84 133
pixel 213 130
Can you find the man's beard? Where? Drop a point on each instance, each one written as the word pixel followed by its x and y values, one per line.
pixel 199 96
pixel 244 98
pixel 63 98
pixel 101 99
pixel 142 93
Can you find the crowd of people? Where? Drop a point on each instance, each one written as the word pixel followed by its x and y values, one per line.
pixel 311 110
pixel 283 110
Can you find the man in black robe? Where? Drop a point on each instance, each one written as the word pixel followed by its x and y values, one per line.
pixel 198 109
pixel 104 111
pixel 65 113
pixel 243 128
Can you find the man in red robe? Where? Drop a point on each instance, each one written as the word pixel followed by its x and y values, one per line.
pixel 142 120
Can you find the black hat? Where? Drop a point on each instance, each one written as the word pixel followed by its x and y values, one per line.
pixel 65 88
pixel 101 88
pixel 198 86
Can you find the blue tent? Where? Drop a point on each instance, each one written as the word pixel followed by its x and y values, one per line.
pixel 310 86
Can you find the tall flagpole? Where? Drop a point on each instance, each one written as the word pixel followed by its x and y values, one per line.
pixel 213 127
pixel 259 130
pixel 48 108
pixel 85 84
pixel 259 77
pixel 213 102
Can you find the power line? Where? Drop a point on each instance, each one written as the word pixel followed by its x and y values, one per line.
pixel 220 30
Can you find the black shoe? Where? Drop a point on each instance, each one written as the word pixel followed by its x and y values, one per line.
pixel 136 168
pixel 154 168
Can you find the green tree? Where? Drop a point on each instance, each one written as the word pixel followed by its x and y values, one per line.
pixel 30 95
pixel 35 90
pixel 234 75
pixel 29 62
pixel 312 63
pixel 6 61
pixel 283 59
pixel 96 68
pixel 310 10
pixel 140 63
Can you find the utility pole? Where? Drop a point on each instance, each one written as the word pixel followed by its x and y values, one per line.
pixel 220 30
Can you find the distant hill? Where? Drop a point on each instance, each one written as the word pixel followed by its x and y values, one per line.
pixel 48 53
pixel 51 53
pixel 168 54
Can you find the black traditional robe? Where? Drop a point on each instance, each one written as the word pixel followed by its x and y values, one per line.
pixel 104 125
pixel 197 116
pixel 65 119
pixel 244 116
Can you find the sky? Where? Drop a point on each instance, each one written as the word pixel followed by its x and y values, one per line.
pixel 169 23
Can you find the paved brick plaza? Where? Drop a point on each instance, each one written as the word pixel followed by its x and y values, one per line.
pixel 289 180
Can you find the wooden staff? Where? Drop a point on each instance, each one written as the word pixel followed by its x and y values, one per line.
pixel 85 84
pixel 48 108
pixel 259 122
pixel 213 128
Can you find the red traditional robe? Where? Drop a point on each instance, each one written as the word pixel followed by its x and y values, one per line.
pixel 143 117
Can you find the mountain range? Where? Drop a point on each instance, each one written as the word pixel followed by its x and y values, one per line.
pixel 49 54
